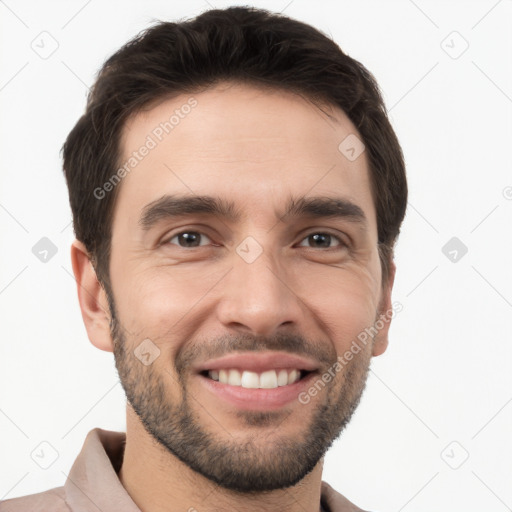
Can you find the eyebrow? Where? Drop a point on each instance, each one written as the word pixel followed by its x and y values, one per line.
pixel 320 207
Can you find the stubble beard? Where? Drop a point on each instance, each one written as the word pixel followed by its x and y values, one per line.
pixel 265 460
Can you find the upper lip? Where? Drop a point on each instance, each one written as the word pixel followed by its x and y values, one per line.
pixel 259 362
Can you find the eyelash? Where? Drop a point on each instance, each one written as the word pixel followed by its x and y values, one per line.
pixel 341 245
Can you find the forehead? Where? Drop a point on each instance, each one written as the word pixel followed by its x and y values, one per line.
pixel 236 141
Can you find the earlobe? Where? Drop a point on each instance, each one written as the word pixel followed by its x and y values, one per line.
pixel 92 299
pixel 383 322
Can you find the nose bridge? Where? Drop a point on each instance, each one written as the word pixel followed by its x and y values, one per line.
pixel 256 296
pixel 256 268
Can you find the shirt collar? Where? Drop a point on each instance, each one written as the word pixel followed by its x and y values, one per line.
pixel 93 483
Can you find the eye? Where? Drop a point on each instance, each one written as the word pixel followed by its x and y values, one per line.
pixel 324 240
pixel 188 239
pixel 191 239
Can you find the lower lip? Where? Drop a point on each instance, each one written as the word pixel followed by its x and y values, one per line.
pixel 258 399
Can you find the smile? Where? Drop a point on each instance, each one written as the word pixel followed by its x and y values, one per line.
pixel 268 379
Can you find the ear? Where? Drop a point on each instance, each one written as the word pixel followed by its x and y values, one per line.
pixel 92 298
pixel 383 322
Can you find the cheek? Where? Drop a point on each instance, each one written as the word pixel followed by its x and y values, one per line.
pixel 159 302
pixel 345 301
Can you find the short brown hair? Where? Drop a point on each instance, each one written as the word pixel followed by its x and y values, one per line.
pixel 237 44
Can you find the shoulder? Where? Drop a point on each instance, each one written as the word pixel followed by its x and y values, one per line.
pixel 52 500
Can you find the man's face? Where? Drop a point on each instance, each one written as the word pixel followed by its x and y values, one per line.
pixel 256 296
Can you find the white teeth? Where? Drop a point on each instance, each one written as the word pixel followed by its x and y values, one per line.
pixel 235 379
pixel 269 379
pixel 250 380
pixel 294 376
pixel 282 378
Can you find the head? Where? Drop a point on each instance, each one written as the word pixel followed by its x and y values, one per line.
pixel 236 187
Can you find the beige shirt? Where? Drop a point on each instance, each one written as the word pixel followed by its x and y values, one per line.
pixel 93 483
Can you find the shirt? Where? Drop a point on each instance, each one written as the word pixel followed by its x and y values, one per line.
pixel 93 483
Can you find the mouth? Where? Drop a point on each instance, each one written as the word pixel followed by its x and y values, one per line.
pixel 257 381
pixel 268 379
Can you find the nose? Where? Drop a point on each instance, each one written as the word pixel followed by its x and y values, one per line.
pixel 257 296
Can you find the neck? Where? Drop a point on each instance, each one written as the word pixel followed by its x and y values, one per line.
pixel 157 481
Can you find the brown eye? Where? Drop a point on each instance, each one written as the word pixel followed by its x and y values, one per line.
pixel 188 239
pixel 324 240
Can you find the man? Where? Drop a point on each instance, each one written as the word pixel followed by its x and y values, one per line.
pixel 237 191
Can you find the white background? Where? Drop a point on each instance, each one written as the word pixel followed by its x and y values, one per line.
pixel 446 376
